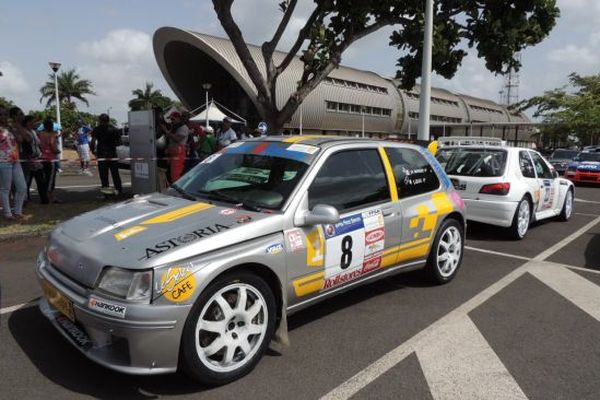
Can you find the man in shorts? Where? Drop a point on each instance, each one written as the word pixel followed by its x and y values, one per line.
pixel 83 147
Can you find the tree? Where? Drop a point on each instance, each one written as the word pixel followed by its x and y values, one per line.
pixel 70 87
pixel 148 98
pixel 69 115
pixel 497 29
pixel 5 103
pixel 571 110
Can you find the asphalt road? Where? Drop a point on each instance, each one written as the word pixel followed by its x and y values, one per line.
pixel 521 320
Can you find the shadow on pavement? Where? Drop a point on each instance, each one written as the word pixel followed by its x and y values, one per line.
pixel 592 253
pixel 64 365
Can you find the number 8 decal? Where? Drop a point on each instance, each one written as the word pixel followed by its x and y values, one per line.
pixel 346 252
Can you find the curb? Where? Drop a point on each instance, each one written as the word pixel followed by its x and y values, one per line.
pixel 6 238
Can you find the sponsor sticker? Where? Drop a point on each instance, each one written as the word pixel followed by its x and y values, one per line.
pixel 371 264
pixel 274 249
pixel 303 148
pixel 244 219
pixel 178 284
pixel 78 336
pixel 227 211
pixel 134 230
pixel 178 241
pixel 295 240
pixel 374 236
pixel 211 158
pixel 106 307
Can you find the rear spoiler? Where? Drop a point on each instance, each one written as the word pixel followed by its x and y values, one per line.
pixel 470 141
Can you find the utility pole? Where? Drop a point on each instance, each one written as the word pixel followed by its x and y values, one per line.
pixel 425 95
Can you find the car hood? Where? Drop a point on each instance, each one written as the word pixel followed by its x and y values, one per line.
pixel 589 166
pixel 148 231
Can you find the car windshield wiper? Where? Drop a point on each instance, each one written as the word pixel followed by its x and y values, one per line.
pixel 219 195
pixel 183 193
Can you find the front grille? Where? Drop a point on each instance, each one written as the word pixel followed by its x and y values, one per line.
pixel 74 285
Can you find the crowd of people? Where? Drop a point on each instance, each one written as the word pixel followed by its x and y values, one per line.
pixel 30 150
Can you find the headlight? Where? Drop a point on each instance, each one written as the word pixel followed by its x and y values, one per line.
pixel 127 284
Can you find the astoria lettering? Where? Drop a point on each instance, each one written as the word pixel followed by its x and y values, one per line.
pixel 181 240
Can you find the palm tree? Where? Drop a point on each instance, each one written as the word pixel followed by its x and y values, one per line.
pixel 148 98
pixel 70 87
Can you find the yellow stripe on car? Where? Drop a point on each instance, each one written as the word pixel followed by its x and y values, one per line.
pixel 412 253
pixel 295 139
pixel 134 230
pixel 309 284
pixel 389 172
pixel 177 214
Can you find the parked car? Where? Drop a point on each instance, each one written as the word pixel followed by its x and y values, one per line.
pixel 202 276
pixel 561 158
pixel 585 168
pixel 507 186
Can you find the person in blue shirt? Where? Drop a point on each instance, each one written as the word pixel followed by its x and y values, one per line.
pixel 83 147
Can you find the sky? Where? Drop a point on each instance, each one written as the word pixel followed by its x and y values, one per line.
pixel 110 43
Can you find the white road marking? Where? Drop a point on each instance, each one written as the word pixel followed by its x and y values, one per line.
pixel 587 201
pixel 460 364
pixel 350 387
pixel 575 288
pixel 497 253
pixel 586 214
pixel 548 252
pixel 8 310
pixel 593 271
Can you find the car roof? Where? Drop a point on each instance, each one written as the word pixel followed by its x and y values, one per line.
pixel 321 140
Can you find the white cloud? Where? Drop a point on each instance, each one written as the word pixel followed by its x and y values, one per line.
pixel 572 54
pixel 119 46
pixel 12 82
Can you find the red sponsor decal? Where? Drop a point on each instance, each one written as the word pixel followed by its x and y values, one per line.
pixel 375 236
pixel 342 278
pixel 295 240
pixel 227 211
pixel 371 264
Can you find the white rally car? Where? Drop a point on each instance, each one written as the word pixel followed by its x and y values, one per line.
pixel 505 186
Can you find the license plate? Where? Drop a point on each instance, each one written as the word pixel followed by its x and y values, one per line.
pixel 58 300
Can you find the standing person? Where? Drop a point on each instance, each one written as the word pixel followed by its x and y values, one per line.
pixel 83 147
pixel 196 132
pixel 244 133
pixel 207 143
pixel 226 135
pixel 105 139
pixel 10 172
pixel 50 151
pixel 31 156
pixel 177 145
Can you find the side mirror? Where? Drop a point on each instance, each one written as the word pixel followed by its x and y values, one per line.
pixel 555 174
pixel 321 214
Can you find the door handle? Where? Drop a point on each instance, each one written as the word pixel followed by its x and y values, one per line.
pixel 388 213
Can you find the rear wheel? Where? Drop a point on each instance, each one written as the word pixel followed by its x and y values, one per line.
pixel 567 209
pixel 446 253
pixel 228 329
pixel 521 220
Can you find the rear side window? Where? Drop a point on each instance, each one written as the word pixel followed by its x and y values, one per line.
pixel 526 165
pixel 350 179
pixel 414 175
pixel 542 169
pixel 473 162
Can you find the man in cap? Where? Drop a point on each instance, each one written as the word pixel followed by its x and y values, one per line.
pixel 227 135
pixel 83 146
pixel 105 139
pixel 177 149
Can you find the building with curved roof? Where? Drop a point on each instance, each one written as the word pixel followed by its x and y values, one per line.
pixel 340 104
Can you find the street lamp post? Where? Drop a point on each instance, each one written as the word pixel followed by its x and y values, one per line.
pixel 362 113
pixel 301 120
pixel 206 87
pixel 55 66
pixel 424 103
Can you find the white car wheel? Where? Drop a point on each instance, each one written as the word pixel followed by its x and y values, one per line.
pixel 449 251
pixel 567 210
pixel 522 219
pixel 231 327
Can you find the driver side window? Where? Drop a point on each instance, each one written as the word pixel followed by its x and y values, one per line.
pixel 350 179
pixel 542 169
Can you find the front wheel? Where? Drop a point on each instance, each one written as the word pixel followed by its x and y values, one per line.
pixel 447 251
pixel 567 209
pixel 521 219
pixel 228 329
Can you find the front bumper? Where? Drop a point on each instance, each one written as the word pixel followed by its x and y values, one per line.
pixel 583 177
pixel 145 342
pixel 498 213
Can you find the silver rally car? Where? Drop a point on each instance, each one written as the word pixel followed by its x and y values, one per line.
pixel 203 277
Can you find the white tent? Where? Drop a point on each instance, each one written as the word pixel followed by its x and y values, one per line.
pixel 214 114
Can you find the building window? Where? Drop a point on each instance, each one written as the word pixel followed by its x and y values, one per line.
pixel 434 100
pixel 357 109
pixel 436 118
pixel 331 105
pixel 356 85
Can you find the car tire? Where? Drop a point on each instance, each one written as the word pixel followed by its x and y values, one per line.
pixel 567 210
pixel 446 252
pixel 521 219
pixel 223 339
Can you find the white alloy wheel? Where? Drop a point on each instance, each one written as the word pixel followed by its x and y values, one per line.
pixel 231 327
pixel 523 217
pixel 568 204
pixel 449 251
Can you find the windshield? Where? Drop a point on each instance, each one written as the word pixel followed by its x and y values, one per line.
pixel 563 155
pixel 473 162
pixel 253 180
pixel 589 156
